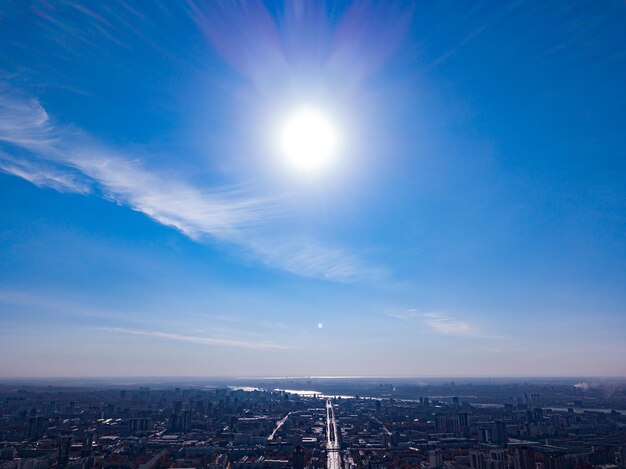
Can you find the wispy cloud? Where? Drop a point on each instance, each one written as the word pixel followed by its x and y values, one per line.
pixel 450 326
pixel 223 213
pixel 23 121
pixel 67 160
pixel 44 175
pixel 50 304
pixel 440 323
pixel 197 339
pixel 307 258
pixel 237 320
pixel 251 326
pixel 223 318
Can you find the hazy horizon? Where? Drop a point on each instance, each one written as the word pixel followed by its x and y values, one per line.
pixel 595 379
pixel 312 383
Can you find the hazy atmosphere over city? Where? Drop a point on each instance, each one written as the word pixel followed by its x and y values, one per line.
pixel 293 189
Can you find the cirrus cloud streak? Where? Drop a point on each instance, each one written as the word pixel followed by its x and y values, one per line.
pixel 49 155
pixel 196 339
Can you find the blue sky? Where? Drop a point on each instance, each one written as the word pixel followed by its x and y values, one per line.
pixel 472 222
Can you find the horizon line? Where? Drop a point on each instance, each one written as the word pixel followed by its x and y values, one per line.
pixel 317 377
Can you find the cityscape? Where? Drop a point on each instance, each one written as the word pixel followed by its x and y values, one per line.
pixel 397 423
pixel 312 234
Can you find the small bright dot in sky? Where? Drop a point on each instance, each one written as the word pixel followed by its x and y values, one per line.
pixel 308 139
pixel 320 325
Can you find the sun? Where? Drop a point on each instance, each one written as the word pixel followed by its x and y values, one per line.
pixel 308 140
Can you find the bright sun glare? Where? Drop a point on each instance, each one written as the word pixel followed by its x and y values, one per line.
pixel 308 140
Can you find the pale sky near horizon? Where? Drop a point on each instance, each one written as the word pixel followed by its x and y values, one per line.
pixel 471 220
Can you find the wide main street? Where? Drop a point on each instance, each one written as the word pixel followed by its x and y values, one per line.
pixel 332 441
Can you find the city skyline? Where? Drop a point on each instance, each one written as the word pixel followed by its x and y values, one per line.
pixel 343 425
pixel 312 189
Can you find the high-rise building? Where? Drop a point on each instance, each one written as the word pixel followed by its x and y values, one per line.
pixel 139 425
pixel 484 434
pixel 65 446
pixel 88 438
pixel 463 419
pixel 524 457
pixel 477 459
pixel 480 460
pixel 186 421
pixel 498 434
pixel 435 459
pixel 496 459
pixel 36 427
pixel 554 460
pixel 200 407
pixel 440 424
pixel 463 423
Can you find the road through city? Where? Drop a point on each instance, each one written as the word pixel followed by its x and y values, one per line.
pixel 332 441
